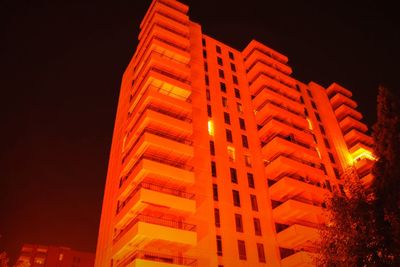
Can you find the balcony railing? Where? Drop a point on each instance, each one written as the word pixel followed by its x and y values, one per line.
pixel 268 119
pixel 276 91
pixel 291 86
pixel 287 138
pixel 177 224
pixel 163 134
pixel 157 257
pixel 276 204
pixel 158 159
pixel 280 106
pixel 154 187
pixel 311 164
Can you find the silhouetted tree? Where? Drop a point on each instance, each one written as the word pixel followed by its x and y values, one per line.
pixel 386 185
pixel 348 239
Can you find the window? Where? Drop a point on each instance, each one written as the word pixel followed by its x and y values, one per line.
pixel 242 124
pixel 250 180
pixel 210 127
pixel 313 105
pixel 245 143
pixel 236 198
pixel 257 226
pixel 239 107
pixel 327 143
pixel 247 160
pixel 205 66
pixel 233 175
pixel 224 102
pixel 309 93
pixel 219 245
pixel 260 252
pixel 203 41
pixel 254 204
pixel 218 48
pixel 212 148
pixel 233 67
pixel 322 129
pixel 231 153
pixel 222 86
pixel 213 169
pixel 204 53
pixel 217 217
pixel 239 223
pixel 219 60
pixel 215 192
pixel 227 118
pixel 235 79
pixel 207 80
pixel 331 157
pixel 231 56
pixel 229 135
pixel 221 74
pixel 317 116
pixel 337 174
pixel 306 112
pixel 242 250
pixel 209 112
pixel 208 94
pixel 237 93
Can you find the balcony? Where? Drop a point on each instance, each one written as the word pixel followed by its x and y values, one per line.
pixel 170 172
pixel 349 123
pixel 148 258
pixel 289 187
pixel 146 195
pixel 173 8
pixel 270 109
pixel 160 232
pixel 263 66
pixel 157 30
pixel 342 111
pixel 367 179
pixel 279 144
pixel 156 99
pixel 287 165
pixel 299 259
pixel 339 99
pixel 156 143
pixel 263 79
pixel 274 95
pixel 297 236
pixel 254 46
pixel 354 136
pixel 258 56
pixel 151 119
pixel 276 126
pixel 336 88
pixel 294 211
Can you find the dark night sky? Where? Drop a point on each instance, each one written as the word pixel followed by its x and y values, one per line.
pixel 61 65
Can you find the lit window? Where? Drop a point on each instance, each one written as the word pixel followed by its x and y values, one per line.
pixel 247 160
pixel 60 257
pixel 39 261
pixel 211 127
pixel 231 153
pixel 224 102
pixel 239 107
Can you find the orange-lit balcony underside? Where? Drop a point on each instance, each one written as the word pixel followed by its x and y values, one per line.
pixel 299 259
pixel 288 187
pixel 278 145
pixel 284 165
pixel 294 211
pixel 297 236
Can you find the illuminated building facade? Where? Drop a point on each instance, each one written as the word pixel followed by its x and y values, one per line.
pixel 219 157
pixel 52 256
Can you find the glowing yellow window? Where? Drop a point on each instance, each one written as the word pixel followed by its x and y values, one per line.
pixel 231 153
pixel 211 127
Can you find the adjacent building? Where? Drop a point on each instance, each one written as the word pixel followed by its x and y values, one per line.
pixel 220 157
pixel 52 256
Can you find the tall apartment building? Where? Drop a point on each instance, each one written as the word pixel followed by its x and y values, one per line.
pixel 53 256
pixel 219 157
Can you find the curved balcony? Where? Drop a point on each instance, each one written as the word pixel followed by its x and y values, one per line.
pixel 340 99
pixel 349 123
pixel 289 187
pixel 335 88
pixel 343 110
pixel 143 230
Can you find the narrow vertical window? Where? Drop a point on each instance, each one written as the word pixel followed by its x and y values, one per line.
pixel 239 107
pixel 260 252
pixel 212 148
pixel 219 61
pixel 208 94
pixel 235 79
pixel 222 87
pixel 250 180
pixel 231 56
pixel 213 169
pixel 233 175
pixel 210 127
pixel 254 204
pixel 245 142
pixel 227 118
pixel 215 192
pixel 229 135
pixel 233 67
pixel 209 111
pixel 231 153
pixel 236 198
pixel 218 49
pixel 217 217
pixel 239 223
pixel 224 102
pixel 219 245
pixel 257 226
pixel 221 74
pixel 242 250
pixel 237 93
pixel 242 124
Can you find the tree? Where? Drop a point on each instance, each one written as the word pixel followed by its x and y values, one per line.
pixel 347 239
pixel 386 185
